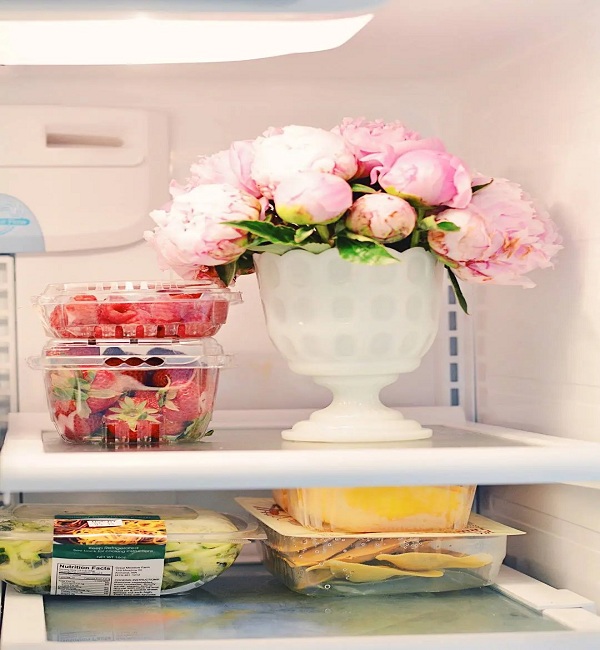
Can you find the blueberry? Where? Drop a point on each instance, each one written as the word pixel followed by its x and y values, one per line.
pixel 163 351
pixel 113 352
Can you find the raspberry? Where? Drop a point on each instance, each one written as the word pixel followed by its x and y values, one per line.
pixel 162 312
pixel 80 311
pixel 118 313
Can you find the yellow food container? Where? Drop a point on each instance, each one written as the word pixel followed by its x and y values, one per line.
pixel 379 509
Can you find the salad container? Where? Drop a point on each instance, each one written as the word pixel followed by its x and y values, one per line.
pixel 117 550
pixel 131 393
pixel 115 310
pixel 351 564
pixel 379 509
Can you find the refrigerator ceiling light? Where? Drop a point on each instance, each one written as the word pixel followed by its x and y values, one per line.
pixel 177 33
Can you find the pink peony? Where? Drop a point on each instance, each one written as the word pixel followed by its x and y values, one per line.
pixel 382 216
pixel 433 177
pixel 376 145
pixel 230 167
pixel 502 236
pixel 284 152
pixel 312 198
pixel 191 233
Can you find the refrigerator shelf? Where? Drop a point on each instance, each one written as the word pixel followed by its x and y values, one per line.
pixel 247 453
pixel 247 609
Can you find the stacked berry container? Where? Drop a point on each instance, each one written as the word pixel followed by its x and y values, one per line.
pixel 132 363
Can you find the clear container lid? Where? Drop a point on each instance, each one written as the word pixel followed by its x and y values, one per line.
pixel 29 522
pixel 119 354
pixel 137 291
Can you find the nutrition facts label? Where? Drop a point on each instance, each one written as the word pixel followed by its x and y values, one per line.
pixel 107 578
pixel 108 556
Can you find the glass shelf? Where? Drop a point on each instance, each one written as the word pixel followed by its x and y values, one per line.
pixel 248 609
pixel 244 455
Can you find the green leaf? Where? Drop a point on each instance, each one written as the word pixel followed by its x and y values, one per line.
pixel 447 226
pixel 315 247
pixel 457 290
pixel 268 231
pixel 476 188
pixel 276 249
pixel 365 189
pixel 226 272
pixel 364 251
pixel 304 232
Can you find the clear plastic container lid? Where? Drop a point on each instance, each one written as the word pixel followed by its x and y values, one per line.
pixel 138 291
pixel 29 522
pixel 135 353
pixel 141 309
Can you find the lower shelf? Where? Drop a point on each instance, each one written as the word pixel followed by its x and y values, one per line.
pixel 248 609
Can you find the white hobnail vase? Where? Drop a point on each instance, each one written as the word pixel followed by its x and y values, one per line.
pixel 353 328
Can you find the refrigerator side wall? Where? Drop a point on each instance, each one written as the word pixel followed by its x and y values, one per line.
pixel 536 120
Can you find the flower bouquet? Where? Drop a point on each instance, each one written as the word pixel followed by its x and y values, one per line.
pixel 348 231
pixel 365 188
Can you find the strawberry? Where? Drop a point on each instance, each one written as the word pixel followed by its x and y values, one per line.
pixel 132 410
pixel 188 400
pixel 64 407
pixel 104 390
pixel 135 419
pixel 77 428
pixel 187 431
pixel 172 377
pixel 172 428
pixel 135 379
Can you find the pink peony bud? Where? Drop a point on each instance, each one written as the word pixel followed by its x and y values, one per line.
pixel 433 177
pixel 285 152
pixel 502 236
pixel 382 216
pixel 312 198
pixel 191 232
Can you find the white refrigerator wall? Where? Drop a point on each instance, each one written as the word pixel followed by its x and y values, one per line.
pixel 515 94
pixel 538 351
pixel 205 114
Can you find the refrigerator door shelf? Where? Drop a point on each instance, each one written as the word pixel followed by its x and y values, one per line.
pixel 247 453
pixel 468 621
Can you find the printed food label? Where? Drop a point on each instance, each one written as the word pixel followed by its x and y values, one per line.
pixel 270 514
pixel 108 556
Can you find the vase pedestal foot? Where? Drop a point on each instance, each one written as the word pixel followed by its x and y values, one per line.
pixel 377 429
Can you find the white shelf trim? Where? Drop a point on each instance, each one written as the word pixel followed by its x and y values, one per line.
pixel 25 466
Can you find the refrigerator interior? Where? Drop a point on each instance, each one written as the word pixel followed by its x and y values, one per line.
pixel 511 87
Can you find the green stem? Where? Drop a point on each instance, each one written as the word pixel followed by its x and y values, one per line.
pixel 323 233
pixel 414 240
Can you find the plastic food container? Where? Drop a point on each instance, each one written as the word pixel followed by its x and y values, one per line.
pixel 317 563
pixel 117 550
pixel 379 509
pixel 123 393
pixel 115 310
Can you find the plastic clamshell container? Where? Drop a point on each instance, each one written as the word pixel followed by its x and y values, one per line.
pixel 196 546
pixel 379 509
pixel 150 309
pixel 131 393
pixel 319 563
